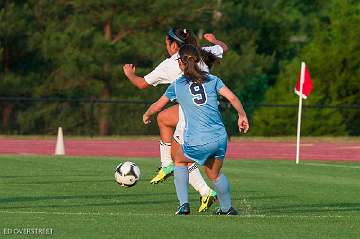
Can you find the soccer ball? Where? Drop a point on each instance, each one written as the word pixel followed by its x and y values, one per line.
pixel 127 174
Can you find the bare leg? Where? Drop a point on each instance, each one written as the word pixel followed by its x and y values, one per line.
pixel 167 121
pixel 212 168
pixel 178 155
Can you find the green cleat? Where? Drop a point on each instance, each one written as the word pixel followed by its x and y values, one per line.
pixel 163 174
pixel 207 201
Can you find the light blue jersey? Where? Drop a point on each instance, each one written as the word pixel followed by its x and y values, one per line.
pixel 199 102
pixel 204 134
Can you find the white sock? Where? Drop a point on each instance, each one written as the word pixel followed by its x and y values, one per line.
pixel 197 181
pixel 165 154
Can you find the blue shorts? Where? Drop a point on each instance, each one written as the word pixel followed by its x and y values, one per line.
pixel 201 153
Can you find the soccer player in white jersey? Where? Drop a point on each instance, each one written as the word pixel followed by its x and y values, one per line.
pixel 165 73
pixel 205 137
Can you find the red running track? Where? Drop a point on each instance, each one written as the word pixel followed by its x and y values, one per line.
pixel 251 149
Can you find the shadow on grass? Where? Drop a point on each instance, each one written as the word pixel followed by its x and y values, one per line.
pixel 79 197
pixel 47 181
pixel 312 208
pixel 261 197
pixel 80 205
pixel 50 176
pixel 57 182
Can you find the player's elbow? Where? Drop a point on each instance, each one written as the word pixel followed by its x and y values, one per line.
pixel 142 85
pixel 233 98
pixel 225 48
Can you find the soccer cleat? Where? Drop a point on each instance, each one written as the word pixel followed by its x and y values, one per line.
pixel 207 201
pixel 229 212
pixel 163 174
pixel 183 209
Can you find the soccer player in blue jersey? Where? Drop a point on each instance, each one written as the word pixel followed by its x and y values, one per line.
pixel 172 117
pixel 205 137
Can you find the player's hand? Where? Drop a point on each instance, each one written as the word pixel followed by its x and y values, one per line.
pixel 146 119
pixel 243 124
pixel 210 37
pixel 129 69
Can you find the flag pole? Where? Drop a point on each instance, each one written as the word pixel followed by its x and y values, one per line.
pixel 302 79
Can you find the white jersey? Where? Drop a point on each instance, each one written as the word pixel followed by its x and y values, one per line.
pixel 168 70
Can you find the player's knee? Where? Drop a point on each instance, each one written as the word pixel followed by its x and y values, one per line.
pixel 177 160
pixel 173 156
pixel 161 118
pixel 213 176
pixel 165 118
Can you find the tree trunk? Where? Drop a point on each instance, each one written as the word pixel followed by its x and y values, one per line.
pixel 7 107
pixel 105 94
pixel 6 112
pixel 104 113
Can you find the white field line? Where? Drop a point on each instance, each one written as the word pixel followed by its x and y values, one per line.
pixel 332 165
pixel 163 214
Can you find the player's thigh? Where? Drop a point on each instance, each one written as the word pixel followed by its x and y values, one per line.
pixel 212 168
pixel 214 164
pixel 180 127
pixel 177 154
pixel 169 116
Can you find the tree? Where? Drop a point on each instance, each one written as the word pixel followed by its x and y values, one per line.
pixel 19 62
pixel 86 41
pixel 332 56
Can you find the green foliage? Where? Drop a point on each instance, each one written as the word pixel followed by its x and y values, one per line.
pixel 332 56
pixel 76 49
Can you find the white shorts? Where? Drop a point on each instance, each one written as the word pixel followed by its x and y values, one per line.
pixel 180 128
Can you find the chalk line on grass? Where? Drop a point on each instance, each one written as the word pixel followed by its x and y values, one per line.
pixel 332 165
pixel 164 214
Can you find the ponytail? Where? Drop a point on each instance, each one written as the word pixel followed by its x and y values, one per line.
pixel 208 58
pixel 190 57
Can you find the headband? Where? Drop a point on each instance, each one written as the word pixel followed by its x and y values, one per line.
pixel 172 34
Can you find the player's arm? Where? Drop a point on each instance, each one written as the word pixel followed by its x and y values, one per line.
pixel 243 122
pixel 212 39
pixel 154 108
pixel 139 82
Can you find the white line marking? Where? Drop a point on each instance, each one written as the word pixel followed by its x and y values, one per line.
pixel 331 165
pixel 163 214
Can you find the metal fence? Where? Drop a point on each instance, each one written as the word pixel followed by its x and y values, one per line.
pixel 92 117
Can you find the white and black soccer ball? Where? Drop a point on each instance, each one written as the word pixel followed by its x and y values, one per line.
pixel 127 174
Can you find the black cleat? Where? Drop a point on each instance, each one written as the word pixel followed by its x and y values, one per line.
pixel 229 212
pixel 183 209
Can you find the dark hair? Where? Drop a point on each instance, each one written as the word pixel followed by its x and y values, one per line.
pixel 186 36
pixel 190 57
pixel 181 36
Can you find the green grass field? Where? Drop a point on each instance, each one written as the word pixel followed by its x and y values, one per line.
pixel 78 198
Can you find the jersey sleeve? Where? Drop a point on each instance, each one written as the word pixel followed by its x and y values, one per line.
pixel 159 75
pixel 170 92
pixel 219 84
pixel 216 50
